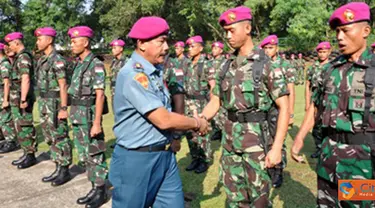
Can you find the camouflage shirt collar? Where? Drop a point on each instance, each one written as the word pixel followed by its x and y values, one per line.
pixel 254 54
pixel 364 59
pixel 88 57
pixel 18 54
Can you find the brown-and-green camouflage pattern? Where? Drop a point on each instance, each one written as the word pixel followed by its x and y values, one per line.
pixel 245 178
pixel 196 84
pixel 23 118
pixel 90 150
pixel 343 102
pixel 50 69
pixel 7 124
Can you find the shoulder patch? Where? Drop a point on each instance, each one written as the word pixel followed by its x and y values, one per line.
pixel 142 79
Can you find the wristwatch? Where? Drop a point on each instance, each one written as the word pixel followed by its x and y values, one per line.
pixel 64 108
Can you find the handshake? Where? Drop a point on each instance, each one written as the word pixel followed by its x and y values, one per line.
pixel 202 124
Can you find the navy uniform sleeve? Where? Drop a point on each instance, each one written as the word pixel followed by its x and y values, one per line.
pixel 140 94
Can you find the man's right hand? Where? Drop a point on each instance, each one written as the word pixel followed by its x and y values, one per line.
pixel 203 126
pixel 295 150
pixel 5 104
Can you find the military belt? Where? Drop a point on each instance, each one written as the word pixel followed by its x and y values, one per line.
pixel 246 117
pixel 196 97
pixel 350 138
pixel 50 94
pixel 149 148
pixel 79 102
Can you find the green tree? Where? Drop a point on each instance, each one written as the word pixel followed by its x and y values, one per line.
pixel 59 14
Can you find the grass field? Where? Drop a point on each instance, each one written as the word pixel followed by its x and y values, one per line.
pixel 298 190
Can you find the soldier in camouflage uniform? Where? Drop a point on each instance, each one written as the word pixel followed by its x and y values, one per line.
pixel 270 46
pixel 218 121
pixel 118 62
pixel 53 105
pixel 22 100
pixel 7 124
pixel 301 69
pixel 294 63
pixel 87 106
pixel 344 99
pixel 247 98
pixel 324 51
pixel 199 81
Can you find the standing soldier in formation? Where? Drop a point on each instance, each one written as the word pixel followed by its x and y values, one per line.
pixel 293 62
pixel 218 60
pixel 6 120
pixel 199 82
pixel 87 107
pixel 179 50
pixel 270 46
pixel 301 69
pixel 313 72
pixel 22 100
pixel 344 101
pixel 247 88
pixel 51 81
pixel 118 62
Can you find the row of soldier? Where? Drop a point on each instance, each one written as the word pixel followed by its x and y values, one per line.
pixel 83 90
pixel 252 92
pixel 198 88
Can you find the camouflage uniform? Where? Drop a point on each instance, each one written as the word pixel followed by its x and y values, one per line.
pixel 289 73
pixel 220 117
pixel 90 150
pixel 6 120
pixel 116 66
pixel 342 102
pixel 23 118
pixel 49 70
pixel 243 173
pixel 312 75
pixel 197 96
pixel 174 76
pixel 300 64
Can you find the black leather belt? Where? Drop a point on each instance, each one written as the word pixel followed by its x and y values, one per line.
pixel 149 148
pixel 79 102
pixel 349 137
pixel 196 97
pixel 246 117
pixel 50 94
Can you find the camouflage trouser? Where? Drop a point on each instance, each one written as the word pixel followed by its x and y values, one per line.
pixel 23 121
pixel 91 151
pixel 199 146
pixel 55 133
pixel 341 161
pixel 8 129
pixel 246 182
pixel 318 137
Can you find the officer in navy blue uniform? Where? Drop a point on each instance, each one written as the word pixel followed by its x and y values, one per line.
pixel 144 170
